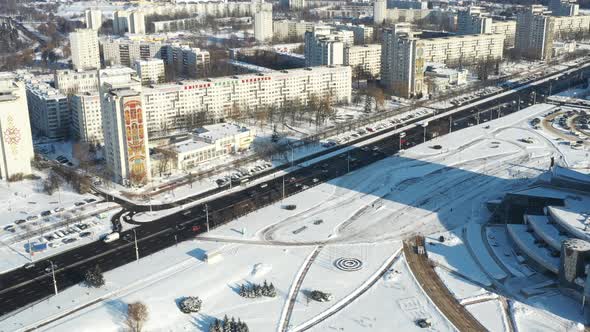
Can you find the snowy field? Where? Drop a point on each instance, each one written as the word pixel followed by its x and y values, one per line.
pixel 364 215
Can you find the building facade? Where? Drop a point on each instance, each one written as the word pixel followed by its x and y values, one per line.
pixel 126 51
pixel 188 62
pixel 16 143
pixel 324 46
pixel 364 57
pixel 506 28
pixel 263 26
pixel 125 133
pixel 151 71
pixel 93 19
pixel 87 117
pixel 69 81
pixel 128 22
pixel 473 21
pixel 48 110
pixel 404 55
pixel 85 51
pixel 407 4
pixel 564 7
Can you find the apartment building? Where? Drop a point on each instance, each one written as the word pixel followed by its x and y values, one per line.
pixel 362 34
pixel 48 110
pixel 176 25
pixel 296 4
pixel 473 21
pixel 209 143
pixel 364 57
pixel 188 62
pixel 215 9
pixel 564 7
pixel 85 51
pixel 69 81
pixel 128 22
pixel 126 51
pixel 263 26
pixel 535 33
pixel 506 28
pixel 16 143
pixel 125 134
pixel 292 29
pixel 404 54
pixel 87 117
pixel 151 71
pixel 93 19
pixel 169 106
pixel 324 46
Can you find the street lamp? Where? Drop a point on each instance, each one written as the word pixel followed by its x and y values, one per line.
pixel 424 125
pixel 207 216
pixel 136 247
pixel 401 135
pixel 53 274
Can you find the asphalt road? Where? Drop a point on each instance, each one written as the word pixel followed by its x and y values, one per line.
pixel 24 286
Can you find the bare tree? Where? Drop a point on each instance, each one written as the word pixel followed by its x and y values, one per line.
pixel 137 316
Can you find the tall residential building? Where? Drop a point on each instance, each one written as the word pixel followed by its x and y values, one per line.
pixel 404 54
pixel 85 52
pixel 379 11
pixel 506 28
pixel 535 33
pixel 188 62
pixel 473 21
pixel 48 110
pixel 128 22
pixel 16 143
pixel 87 117
pixel 151 71
pixel 564 7
pixel 324 46
pixel 125 131
pixel 172 106
pixel 362 34
pixel 93 18
pixel 263 26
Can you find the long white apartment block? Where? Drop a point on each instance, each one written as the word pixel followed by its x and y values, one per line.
pixel 85 50
pixel 215 9
pixel 168 106
pixel 16 143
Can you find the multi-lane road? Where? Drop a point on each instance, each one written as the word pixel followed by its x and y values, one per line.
pixel 21 287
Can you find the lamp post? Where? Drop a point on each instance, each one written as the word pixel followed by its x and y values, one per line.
pixel 424 125
pixel 53 274
pixel 401 135
pixel 207 216
pixel 136 247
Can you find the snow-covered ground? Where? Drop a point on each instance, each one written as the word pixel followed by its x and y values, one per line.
pixel 363 216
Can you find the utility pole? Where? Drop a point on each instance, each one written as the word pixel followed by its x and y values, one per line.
pixel 207 216
pixel 348 161
pixel 53 274
pixel 283 187
pixel 424 125
pixel 450 124
pixel 136 248
pixel 401 135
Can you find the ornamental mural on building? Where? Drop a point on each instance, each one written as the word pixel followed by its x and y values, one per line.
pixel 134 134
pixel 12 135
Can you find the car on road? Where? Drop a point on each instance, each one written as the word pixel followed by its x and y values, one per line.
pixel 10 228
pixel 315 180
pixel 29 265
pixel 111 237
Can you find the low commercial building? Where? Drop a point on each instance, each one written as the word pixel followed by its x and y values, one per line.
pixel 173 106
pixel 151 71
pixel 16 143
pixel 440 78
pixel 48 110
pixel 209 143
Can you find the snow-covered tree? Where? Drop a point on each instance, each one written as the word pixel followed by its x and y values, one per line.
pixel 226 326
pixel 94 277
pixel 190 304
pixel 272 292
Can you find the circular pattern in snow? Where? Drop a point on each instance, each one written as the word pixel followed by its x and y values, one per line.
pixel 348 264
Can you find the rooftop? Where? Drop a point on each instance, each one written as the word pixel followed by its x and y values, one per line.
pixel 217 131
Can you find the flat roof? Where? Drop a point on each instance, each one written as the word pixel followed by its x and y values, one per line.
pixel 220 130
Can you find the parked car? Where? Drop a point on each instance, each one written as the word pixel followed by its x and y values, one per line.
pixel 45 213
pixel 21 221
pixel 69 240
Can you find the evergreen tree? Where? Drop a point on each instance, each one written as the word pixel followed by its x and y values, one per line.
pixel 226 327
pixel 233 325
pixel 218 325
pixel 94 277
pixel 243 291
pixel 264 289
pixel 272 292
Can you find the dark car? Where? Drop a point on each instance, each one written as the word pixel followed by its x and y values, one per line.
pixel 69 240
pixel 85 234
pixel 82 226
pixel 45 213
pixel 79 203
pixel 90 200
pixel 21 221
